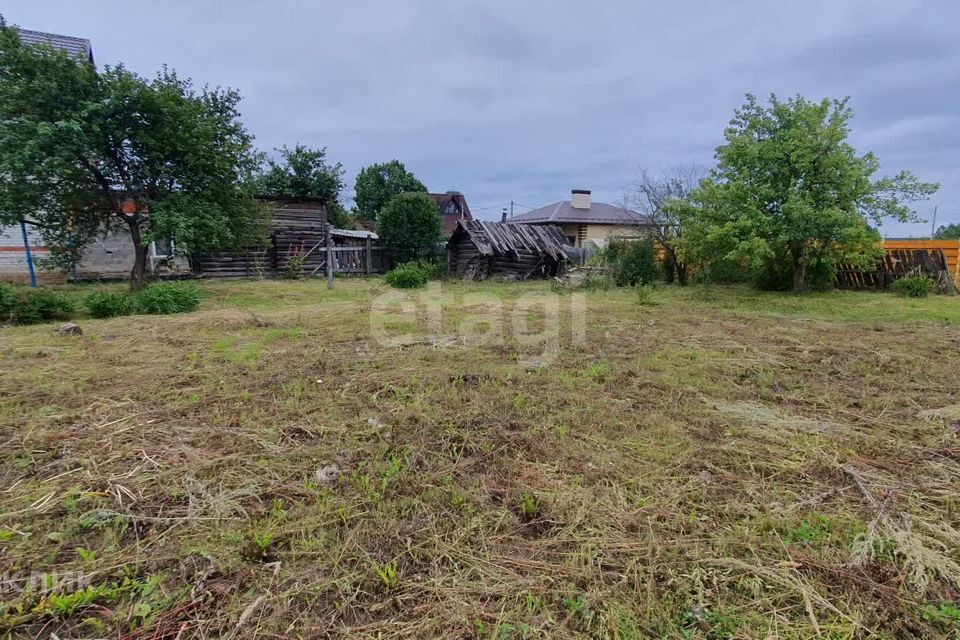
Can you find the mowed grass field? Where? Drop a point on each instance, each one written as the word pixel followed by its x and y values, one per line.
pixel 719 464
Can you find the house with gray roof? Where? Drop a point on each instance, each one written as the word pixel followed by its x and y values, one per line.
pixel 588 223
pixel 79 48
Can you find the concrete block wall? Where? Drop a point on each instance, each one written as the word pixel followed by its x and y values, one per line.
pixel 13 258
pixel 106 258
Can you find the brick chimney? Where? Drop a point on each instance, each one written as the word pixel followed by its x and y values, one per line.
pixel 580 198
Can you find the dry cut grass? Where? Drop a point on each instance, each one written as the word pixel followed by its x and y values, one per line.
pixel 722 464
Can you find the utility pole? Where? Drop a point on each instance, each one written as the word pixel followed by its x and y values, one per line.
pixel 933 227
pixel 511 209
pixel 26 249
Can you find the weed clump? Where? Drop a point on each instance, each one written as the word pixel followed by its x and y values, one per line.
pixel 163 298
pixel 645 295
pixel 110 304
pixel 913 286
pixel 408 276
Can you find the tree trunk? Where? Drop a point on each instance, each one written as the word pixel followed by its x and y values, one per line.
pixel 799 272
pixel 681 274
pixel 138 275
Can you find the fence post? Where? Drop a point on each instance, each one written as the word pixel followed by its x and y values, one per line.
pixel 329 247
pixel 369 253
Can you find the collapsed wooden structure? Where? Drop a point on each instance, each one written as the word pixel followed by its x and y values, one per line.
pixel 298 241
pixel 898 263
pixel 477 250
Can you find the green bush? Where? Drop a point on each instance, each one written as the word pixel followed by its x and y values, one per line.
pixel 22 305
pixel 777 275
pixel 435 269
pixel 407 276
pixel 633 261
pixel 161 298
pixel 410 227
pixel 913 286
pixel 7 301
pixel 110 304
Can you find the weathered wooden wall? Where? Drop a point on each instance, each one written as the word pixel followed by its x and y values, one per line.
pixel 296 229
pixel 477 250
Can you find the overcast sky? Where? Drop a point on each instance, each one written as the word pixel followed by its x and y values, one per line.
pixel 524 100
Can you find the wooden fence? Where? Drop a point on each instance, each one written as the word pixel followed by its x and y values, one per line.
pixel 896 263
pixel 306 246
pixel 950 249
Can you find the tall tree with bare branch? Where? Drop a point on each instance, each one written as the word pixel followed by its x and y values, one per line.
pixel 655 197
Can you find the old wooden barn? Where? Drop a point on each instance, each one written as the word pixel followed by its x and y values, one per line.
pixel 299 233
pixel 478 250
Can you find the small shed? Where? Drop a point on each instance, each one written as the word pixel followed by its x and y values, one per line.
pixel 477 250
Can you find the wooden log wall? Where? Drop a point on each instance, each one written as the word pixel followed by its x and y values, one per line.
pixel 467 262
pixel 296 229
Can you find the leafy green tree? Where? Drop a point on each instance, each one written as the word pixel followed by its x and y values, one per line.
pixel 84 153
pixel 948 232
pixel 378 183
pixel 789 193
pixel 410 227
pixel 303 173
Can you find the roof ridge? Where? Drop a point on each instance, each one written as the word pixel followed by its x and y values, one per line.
pixel 556 210
pixel 50 33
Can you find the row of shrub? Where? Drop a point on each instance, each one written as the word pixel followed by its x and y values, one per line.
pixel 160 298
pixel 23 305
pixel 634 263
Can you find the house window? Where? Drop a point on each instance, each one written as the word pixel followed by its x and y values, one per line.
pixel 161 249
pixel 581 235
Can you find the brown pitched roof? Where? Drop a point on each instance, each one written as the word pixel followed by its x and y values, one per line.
pixel 453 207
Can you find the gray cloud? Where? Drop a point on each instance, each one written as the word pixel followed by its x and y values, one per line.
pixel 525 100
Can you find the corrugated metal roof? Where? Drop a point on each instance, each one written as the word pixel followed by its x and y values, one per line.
pixel 504 238
pixel 354 233
pixel 563 213
pixel 79 48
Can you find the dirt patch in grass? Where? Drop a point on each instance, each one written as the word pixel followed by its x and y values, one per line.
pixel 723 464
